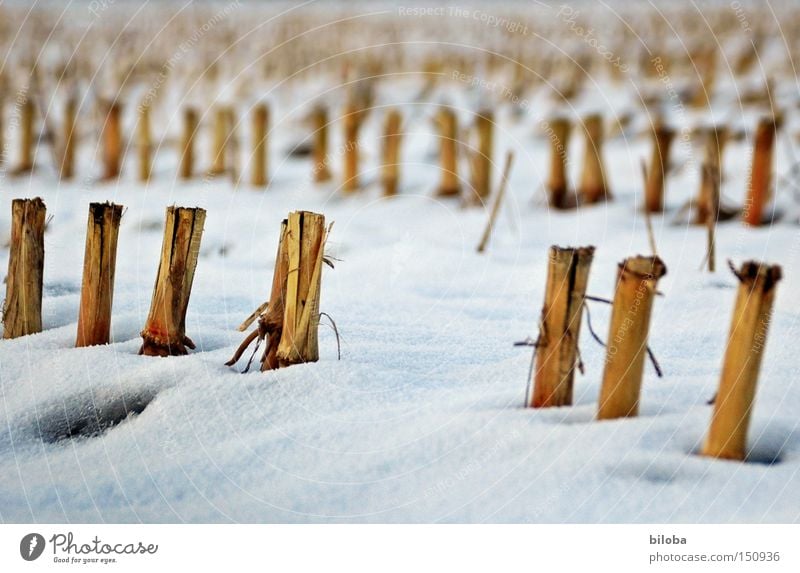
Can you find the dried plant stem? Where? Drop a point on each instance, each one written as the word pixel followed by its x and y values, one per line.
pixel 164 334
pixel 556 352
pixel 319 120
pixel 708 199
pixel 97 288
pixel 112 141
pixel 392 138
pixel 259 159
pixel 352 123
pixel 761 172
pixel 482 159
pixel 656 174
pixel 222 131
pixel 727 436
pixel 450 184
pixel 498 200
pixel 145 144
pixel 22 310
pixel 637 280
pixel 69 138
pixel 593 186
pixel 557 184
pixel 190 123
pixel 290 322
pixel 27 112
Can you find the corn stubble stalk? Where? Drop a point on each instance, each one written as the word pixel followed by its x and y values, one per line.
pixel 190 123
pixel 26 137
pixel 290 322
pixel 727 436
pixel 352 123
pixel 761 172
pixel 260 124
pixel 22 310
pixel 708 199
pixel 450 186
pixel 482 159
pixel 659 162
pixel 222 128
pixel 556 352
pixel 594 187
pixel 637 279
pixel 392 138
pixel 69 138
pixel 144 143
pixel 319 120
pixel 557 184
pixel 99 262
pixel 164 333
pixel 112 141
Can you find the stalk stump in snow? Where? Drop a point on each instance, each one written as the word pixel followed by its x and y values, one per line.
pixel 99 262
pixel 144 143
pixel 450 185
pixel 637 279
pixel 657 172
pixel 222 131
pixel 594 187
pixel 352 123
pixel 26 138
pixel 190 123
pixel 259 159
pixel 556 351
pixel 69 138
pixel 22 310
pixel 482 159
pixel 112 141
pixel 727 436
pixel 319 121
pixel 390 171
pixel 164 334
pixel 290 322
pixel 557 185
pixel 761 172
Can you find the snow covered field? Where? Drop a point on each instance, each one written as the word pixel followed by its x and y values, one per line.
pixel 421 420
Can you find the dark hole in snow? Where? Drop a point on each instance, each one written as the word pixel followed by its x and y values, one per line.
pixel 89 418
pixel 763 456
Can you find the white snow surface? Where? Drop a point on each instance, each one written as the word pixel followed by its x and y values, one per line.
pixel 421 420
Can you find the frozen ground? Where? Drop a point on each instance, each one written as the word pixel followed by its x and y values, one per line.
pixel 421 420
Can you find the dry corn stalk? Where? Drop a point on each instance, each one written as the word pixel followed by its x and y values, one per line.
pixel 352 123
pixel 22 310
pixel 392 138
pixel 289 324
pixel 319 119
pixel 656 174
pixel 260 124
pixel 637 279
pixel 187 147
pixel 708 200
pixel 222 131
pixel 69 138
pixel 165 331
pixel 556 351
pixel 761 172
pixel 144 144
pixel 727 437
pixel 112 141
pixel 593 186
pixel 26 137
pixel 557 185
pixel 482 159
pixel 448 152
pixel 99 262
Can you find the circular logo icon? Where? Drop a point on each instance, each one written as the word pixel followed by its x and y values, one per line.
pixel 31 546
